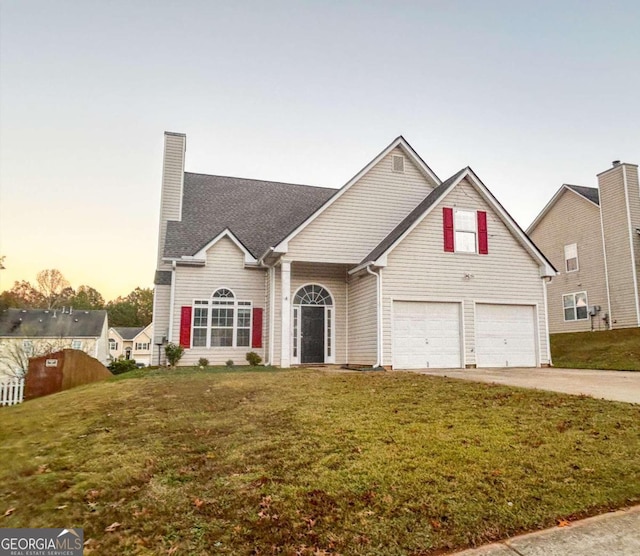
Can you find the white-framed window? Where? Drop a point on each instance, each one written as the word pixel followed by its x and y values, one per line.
pixel 76 344
pixel 466 231
pixel 27 347
pixel 571 257
pixel 142 346
pixel 575 306
pixel 113 345
pixel 222 321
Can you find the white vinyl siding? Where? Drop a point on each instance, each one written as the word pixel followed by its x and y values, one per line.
pixel 363 216
pixel 161 309
pixel 172 183
pixel 363 315
pixel 224 269
pixel 573 219
pixel 418 269
pixel 613 202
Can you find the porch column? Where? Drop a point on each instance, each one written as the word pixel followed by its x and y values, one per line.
pixel 285 281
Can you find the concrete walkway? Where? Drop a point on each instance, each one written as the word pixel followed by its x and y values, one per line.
pixel 621 386
pixel 612 534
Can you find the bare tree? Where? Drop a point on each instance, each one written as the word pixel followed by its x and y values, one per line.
pixel 53 286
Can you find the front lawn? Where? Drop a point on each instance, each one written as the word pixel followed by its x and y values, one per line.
pixel 305 462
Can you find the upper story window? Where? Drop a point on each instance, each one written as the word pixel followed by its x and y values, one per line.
pixel 465 231
pixel 222 321
pixel 575 306
pixel 571 257
pixel 113 345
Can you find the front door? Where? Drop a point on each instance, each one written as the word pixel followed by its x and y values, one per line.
pixel 312 340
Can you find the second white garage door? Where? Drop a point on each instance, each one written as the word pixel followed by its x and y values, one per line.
pixel 505 336
pixel 426 335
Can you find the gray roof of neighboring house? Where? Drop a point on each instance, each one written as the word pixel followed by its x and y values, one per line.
pixel 128 332
pixel 590 193
pixel 259 213
pixel 41 323
pixel 162 278
pixel 414 215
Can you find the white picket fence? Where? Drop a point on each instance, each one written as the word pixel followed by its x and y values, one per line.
pixel 11 391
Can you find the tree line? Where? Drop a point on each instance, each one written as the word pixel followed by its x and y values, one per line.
pixel 53 291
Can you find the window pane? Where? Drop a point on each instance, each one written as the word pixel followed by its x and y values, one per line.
pixel 222 317
pixel 466 242
pixel 465 221
pixel 582 313
pixel 199 337
pixel 243 337
pixel 200 316
pixel 581 306
pixel 244 318
pixel 568 301
pixel 221 337
pixel 572 264
pixel 569 314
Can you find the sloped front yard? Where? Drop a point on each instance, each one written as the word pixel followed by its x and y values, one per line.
pixel 302 462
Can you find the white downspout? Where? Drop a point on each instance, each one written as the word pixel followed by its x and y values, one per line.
pixel 171 302
pixel 272 312
pixel 379 303
pixel 545 281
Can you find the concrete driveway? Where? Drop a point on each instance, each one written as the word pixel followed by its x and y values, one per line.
pixel 621 386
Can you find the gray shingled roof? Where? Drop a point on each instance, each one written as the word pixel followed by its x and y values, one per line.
pixel 128 332
pixel 414 215
pixel 39 323
pixel 590 193
pixel 259 213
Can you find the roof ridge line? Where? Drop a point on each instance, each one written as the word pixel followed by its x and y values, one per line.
pixel 262 181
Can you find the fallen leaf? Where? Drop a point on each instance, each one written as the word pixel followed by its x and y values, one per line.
pixel 198 503
pixel 61 507
pixel 113 527
pixel 43 469
pixel 436 524
pixel 563 523
pixel 9 512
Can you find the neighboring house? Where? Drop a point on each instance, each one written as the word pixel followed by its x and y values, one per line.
pixel 28 333
pixel 396 268
pixel 591 236
pixel 131 342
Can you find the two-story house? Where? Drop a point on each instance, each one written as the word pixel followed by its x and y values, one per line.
pixel 397 269
pixel 131 342
pixel 591 236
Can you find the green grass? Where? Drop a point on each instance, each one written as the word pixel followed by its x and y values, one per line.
pixel 303 462
pixel 611 349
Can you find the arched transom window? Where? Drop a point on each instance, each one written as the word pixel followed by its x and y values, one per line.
pixel 312 295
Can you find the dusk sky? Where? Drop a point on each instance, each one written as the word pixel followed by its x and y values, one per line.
pixel 529 94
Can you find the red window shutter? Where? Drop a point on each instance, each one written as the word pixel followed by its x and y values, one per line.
pixel 447 219
pixel 256 333
pixel 185 327
pixel 483 238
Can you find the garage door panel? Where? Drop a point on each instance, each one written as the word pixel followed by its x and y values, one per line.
pixel 505 335
pixel 426 335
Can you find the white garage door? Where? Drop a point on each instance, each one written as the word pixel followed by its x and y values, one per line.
pixel 426 335
pixel 505 336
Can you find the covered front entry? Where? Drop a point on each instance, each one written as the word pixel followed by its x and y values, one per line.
pixel 313 329
pixel 426 335
pixel 505 335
